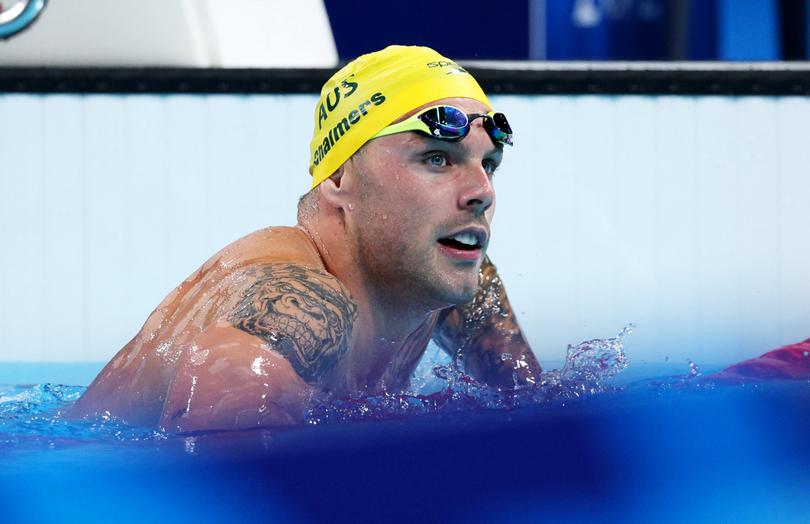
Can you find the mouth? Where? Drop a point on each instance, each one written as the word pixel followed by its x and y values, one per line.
pixel 467 244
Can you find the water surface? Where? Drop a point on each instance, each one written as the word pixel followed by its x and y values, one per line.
pixel 591 441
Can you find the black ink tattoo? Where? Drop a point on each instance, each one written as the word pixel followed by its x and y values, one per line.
pixel 305 314
pixel 484 334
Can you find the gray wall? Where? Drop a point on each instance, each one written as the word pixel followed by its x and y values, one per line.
pixel 685 215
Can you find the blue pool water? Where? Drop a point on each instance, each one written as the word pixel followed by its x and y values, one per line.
pixel 646 444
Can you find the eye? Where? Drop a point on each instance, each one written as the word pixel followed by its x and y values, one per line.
pixel 490 166
pixel 436 159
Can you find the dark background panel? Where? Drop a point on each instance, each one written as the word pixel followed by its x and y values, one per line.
pixel 578 29
pixel 470 29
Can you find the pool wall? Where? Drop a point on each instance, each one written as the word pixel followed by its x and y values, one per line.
pixel 686 215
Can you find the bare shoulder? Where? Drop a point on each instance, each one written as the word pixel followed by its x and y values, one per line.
pixel 228 379
pixel 277 244
pixel 304 313
pixel 257 366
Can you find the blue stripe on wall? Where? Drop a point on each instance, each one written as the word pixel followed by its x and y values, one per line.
pixel 594 30
pixel 749 30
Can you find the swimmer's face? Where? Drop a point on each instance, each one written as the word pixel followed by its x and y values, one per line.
pixel 418 200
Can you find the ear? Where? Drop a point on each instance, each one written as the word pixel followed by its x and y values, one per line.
pixel 339 189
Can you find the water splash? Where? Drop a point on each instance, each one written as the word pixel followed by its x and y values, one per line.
pixel 694 371
pixel 587 370
pixel 34 415
pixel 692 380
pixel 588 367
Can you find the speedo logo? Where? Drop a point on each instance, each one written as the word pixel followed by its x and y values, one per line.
pixel 454 67
pixel 344 124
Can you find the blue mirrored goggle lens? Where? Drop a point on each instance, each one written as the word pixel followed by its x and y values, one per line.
pixel 452 123
pixel 446 122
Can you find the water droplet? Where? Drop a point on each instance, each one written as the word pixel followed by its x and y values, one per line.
pixel 694 372
pixel 257 364
pixel 190 443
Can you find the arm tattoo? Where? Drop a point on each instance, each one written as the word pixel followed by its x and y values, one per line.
pixel 305 314
pixel 481 332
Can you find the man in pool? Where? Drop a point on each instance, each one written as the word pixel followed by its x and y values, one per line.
pixel 389 252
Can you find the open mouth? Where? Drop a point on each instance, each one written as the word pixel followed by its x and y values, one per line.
pixel 462 241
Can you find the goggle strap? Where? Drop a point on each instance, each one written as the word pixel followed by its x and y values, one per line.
pixel 413 123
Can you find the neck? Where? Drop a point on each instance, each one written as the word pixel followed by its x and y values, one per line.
pixel 390 333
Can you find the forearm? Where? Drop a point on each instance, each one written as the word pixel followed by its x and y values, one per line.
pixel 786 363
pixel 487 337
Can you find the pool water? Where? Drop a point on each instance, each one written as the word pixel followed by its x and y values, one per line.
pixel 592 442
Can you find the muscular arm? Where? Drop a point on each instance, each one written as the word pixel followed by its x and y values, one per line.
pixel 303 313
pixel 258 366
pixel 486 334
pixel 790 362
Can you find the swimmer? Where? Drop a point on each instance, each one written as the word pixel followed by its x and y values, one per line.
pixel 388 253
pixel 791 362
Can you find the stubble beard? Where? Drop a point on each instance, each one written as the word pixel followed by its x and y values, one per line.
pixel 415 276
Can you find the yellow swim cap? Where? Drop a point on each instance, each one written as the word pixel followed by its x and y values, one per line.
pixel 372 91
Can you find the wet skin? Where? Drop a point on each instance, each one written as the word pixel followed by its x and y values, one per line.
pixel 344 303
pixel 416 191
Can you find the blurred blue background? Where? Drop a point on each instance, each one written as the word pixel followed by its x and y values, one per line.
pixel 322 33
pixel 580 29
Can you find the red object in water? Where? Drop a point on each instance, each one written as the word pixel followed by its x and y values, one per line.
pixel 787 362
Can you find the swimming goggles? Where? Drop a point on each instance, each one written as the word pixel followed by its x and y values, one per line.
pixel 451 123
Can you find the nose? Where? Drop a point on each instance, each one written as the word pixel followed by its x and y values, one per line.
pixel 478 193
